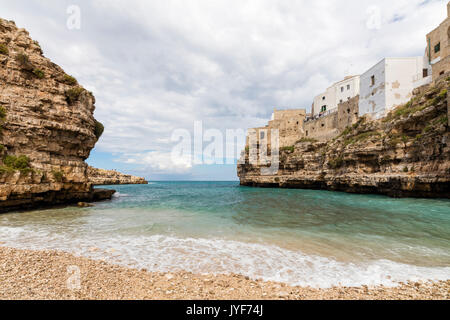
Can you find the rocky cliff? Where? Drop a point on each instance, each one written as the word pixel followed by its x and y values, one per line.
pixel 47 128
pixel 100 177
pixel 406 154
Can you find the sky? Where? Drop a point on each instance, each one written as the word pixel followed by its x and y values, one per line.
pixel 159 67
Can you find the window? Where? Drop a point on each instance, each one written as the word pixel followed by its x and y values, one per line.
pixel 262 135
pixel 348 87
pixel 323 98
pixel 340 101
pixel 342 89
pixel 324 108
pixel 425 73
pixel 437 48
pixel 348 98
pixel 307 132
pixel 372 80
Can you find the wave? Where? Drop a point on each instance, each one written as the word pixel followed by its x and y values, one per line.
pixel 215 256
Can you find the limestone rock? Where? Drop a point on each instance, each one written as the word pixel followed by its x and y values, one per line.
pixel 101 177
pixel 49 119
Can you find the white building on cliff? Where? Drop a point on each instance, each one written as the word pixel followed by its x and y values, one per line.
pixel 388 84
pixel 328 101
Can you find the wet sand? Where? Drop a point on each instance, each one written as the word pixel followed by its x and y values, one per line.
pixel 52 275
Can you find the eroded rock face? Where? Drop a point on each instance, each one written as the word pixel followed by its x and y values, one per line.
pixel 100 177
pixel 49 119
pixel 407 154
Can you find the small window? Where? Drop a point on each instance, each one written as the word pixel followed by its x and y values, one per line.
pixel 307 132
pixel 348 98
pixel 340 101
pixel 262 135
pixel 372 80
pixel 323 125
pixel 323 98
pixel 348 87
pixel 324 108
pixel 342 89
pixel 425 73
pixel 441 73
pixel 437 48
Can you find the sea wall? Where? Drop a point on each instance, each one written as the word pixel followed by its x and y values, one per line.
pixel 406 154
pixel 47 128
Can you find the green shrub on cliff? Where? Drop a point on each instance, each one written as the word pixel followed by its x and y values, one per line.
pixel 17 163
pixel 4 49
pixel 99 129
pixel 73 94
pixel 58 175
pixel 2 113
pixel 336 162
pixel 69 80
pixel 24 61
pixel 290 149
pixel 39 73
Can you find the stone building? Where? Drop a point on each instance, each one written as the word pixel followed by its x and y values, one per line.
pixel 328 101
pixel 387 85
pixel 289 124
pixel 330 126
pixel 438 48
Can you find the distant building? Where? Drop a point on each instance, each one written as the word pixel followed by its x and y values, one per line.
pixel 438 48
pixel 328 101
pixel 387 85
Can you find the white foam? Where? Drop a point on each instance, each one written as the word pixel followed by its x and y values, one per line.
pixel 162 254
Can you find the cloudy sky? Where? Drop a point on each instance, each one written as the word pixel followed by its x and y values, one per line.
pixel 158 66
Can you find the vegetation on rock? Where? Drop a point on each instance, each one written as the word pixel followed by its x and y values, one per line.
pixel 99 129
pixel 24 61
pixel 73 94
pixel 12 163
pixel 39 73
pixel 58 175
pixel 69 80
pixel 4 49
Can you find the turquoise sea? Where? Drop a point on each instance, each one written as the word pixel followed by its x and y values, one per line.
pixel 300 237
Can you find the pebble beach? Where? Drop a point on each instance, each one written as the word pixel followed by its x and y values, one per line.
pixel 49 275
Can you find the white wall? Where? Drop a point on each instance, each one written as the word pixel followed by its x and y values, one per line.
pixel 350 87
pixel 400 76
pixel 333 95
pixel 372 99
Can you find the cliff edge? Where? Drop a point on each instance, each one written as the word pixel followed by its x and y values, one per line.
pixel 101 177
pixel 47 128
pixel 406 154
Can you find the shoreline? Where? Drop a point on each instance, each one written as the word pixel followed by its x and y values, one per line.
pixel 48 275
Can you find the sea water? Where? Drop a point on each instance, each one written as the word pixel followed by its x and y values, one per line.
pixel 299 237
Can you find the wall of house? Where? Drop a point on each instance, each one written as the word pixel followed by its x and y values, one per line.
pixel 372 101
pixel 335 94
pixel 346 89
pixel 348 113
pixel 400 73
pixel 440 35
pixel 322 129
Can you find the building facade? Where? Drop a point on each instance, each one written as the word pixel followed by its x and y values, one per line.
pixel 387 85
pixel 438 48
pixel 328 101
